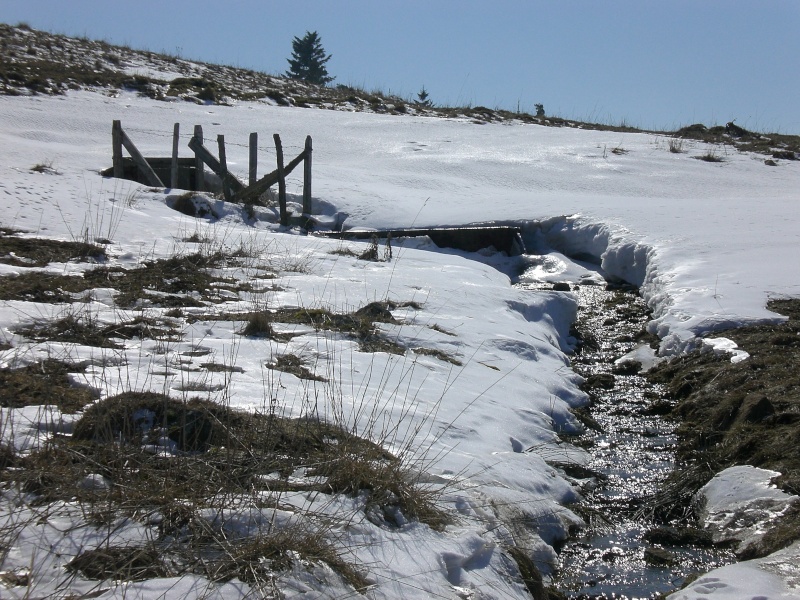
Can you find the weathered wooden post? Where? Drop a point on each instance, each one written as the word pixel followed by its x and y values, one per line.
pixel 253 158
pixel 173 180
pixel 199 180
pixel 116 149
pixel 223 162
pixel 281 181
pixel 307 178
pixel 141 162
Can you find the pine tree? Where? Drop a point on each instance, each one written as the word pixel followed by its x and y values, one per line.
pixel 423 97
pixel 308 60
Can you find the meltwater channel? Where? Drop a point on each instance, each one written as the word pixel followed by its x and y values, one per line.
pixel 631 446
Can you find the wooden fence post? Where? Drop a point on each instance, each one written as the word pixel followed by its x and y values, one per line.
pixel 199 179
pixel 253 158
pixel 223 162
pixel 281 181
pixel 116 149
pixel 141 161
pixel 307 178
pixel 225 176
pixel 173 180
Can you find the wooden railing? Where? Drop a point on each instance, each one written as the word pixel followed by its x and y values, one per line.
pixel 233 189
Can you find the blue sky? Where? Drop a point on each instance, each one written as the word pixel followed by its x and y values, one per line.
pixel 649 63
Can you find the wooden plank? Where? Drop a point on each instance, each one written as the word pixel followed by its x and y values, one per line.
pixel 173 173
pixel 116 149
pixel 141 162
pixel 223 163
pixel 251 193
pixel 253 170
pixel 307 178
pixel 199 177
pixel 281 181
pixel 213 164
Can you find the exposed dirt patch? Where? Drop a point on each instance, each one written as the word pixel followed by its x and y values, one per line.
pixel 777 145
pixel 171 282
pixel 45 383
pixel 42 287
pixel 121 442
pixel 178 281
pixel 359 324
pixel 39 252
pixel 291 363
pixel 83 328
pixel 747 413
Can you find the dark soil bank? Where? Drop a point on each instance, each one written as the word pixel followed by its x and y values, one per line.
pixel 747 413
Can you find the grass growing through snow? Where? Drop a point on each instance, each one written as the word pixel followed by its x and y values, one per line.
pixel 38 252
pixel 156 455
pixel 43 383
pixel 169 462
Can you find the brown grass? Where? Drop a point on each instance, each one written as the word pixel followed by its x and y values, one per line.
pixel 293 364
pixel 218 455
pixel 44 383
pixel 738 413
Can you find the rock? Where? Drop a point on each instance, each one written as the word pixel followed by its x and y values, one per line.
pixel 375 311
pixel 678 536
pixel 94 482
pixel 658 557
pixel 626 367
pixel 784 154
pixel 561 286
pixel 601 380
pixel 754 411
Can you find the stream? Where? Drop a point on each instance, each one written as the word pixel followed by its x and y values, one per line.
pixel 632 451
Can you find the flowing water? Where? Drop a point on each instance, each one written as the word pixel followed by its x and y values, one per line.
pixel 632 451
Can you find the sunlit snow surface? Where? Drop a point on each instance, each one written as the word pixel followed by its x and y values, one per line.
pixel 708 243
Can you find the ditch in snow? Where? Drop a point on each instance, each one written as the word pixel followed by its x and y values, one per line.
pixel 631 450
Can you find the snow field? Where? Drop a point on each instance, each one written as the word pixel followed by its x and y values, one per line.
pixel 706 243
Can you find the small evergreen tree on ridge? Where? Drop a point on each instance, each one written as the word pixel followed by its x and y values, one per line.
pixel 308 60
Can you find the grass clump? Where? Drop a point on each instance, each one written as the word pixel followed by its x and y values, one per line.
pixel 38 252
pixel 42 287
pixel 441 355
pixel 213 448
pixel 177 463
pixel 179 281
pixel 44 383
pixel 293 364
pixel 72 328
pixel 676 146
pixel 119 563
pixel 744 413
pixel 359 324
pixel 83 328
pixel 710 156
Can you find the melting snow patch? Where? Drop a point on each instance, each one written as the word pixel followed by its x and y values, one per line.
pixel 722 345
pixel 739 503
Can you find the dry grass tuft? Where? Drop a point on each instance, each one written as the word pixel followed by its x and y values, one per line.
pixel 146 455
pixel 42 384
pixel 293 364
pixel 39 252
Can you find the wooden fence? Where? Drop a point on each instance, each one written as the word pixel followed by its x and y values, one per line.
pixel 233 189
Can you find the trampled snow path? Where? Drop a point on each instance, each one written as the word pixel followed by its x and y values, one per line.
pixel 707 242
